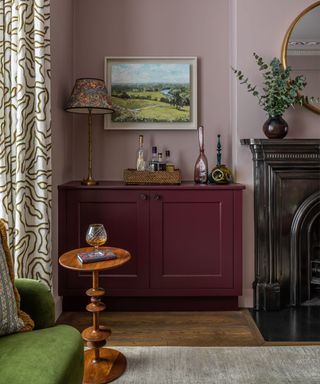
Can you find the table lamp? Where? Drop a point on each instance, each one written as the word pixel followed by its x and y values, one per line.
pixel 89 96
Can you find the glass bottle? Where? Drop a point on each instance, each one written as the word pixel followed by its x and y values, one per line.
pixel 169 165
pixel 161 164
pixel 140 155
pixel 201 165
pixel 153 166
pixel 168 157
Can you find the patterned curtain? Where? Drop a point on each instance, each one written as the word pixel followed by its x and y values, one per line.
pixel 25 141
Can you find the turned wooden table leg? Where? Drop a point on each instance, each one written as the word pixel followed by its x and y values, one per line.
pixel 102 365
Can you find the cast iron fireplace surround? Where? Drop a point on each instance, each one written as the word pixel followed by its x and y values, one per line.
pixel 287 220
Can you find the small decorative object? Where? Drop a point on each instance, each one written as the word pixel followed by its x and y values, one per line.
pixel 89 96
pixel 96 236
pixel 201 165
pixel 220 173
pixel 280 93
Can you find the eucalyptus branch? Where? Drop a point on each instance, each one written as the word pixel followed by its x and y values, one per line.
pixel 245 80
pixel 279 91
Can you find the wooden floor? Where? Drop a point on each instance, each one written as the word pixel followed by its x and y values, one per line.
pixel 234 328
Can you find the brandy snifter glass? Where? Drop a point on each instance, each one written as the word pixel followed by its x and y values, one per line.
pixel 96 236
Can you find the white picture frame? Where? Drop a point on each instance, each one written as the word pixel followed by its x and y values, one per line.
pixel 152 93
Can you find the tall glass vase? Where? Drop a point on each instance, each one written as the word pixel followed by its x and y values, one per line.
pixel 201 165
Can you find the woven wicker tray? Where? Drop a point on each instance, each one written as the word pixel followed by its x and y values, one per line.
pixel 132 176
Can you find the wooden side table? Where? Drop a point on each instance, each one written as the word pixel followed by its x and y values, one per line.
pixel 102 365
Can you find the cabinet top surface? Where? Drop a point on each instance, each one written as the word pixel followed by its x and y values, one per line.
pixel 121 185
pixel 70 260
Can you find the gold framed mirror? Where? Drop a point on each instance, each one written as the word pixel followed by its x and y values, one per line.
pixel 301 50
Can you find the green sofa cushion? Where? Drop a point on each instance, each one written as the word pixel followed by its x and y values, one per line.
pixel 37 301
pixel 44 356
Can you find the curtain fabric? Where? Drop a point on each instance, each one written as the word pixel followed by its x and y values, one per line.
pixel 25 141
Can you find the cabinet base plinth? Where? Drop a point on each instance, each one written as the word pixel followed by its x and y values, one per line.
pixel 154 304
pixel 110 366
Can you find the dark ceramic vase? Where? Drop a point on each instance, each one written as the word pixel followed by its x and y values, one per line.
pixel 275 127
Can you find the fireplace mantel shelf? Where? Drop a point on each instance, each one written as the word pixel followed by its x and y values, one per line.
pixel 280 142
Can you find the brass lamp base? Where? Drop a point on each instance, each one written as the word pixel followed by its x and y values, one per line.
pixel 89 181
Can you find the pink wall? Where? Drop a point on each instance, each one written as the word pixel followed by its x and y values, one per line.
pixel 154 28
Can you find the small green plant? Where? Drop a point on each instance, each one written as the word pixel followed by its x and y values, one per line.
pixel 280 91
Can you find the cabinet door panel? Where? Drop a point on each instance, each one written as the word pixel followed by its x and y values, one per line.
pixel 125 217
pixel 192 240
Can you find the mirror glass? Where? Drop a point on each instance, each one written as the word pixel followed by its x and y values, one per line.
pixel 301 50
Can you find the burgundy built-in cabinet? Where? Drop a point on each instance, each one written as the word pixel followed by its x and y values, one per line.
pixel 185 242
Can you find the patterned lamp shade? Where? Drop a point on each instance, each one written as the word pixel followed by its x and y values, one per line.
pixel 89 96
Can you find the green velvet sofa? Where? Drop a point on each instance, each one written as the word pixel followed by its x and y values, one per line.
pixel 50 354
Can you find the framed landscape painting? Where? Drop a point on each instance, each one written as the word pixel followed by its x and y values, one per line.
pixel 152 92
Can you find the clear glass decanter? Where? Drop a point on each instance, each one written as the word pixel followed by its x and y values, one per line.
pixel 201 165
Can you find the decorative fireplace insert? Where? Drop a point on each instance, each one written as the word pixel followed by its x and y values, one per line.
pixel 287 222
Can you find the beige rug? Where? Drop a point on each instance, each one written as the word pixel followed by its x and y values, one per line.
pixel 221 365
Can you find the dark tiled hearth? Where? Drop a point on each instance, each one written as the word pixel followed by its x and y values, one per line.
pixel 289 324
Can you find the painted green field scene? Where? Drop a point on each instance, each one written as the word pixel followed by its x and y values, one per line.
pixel 150 92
